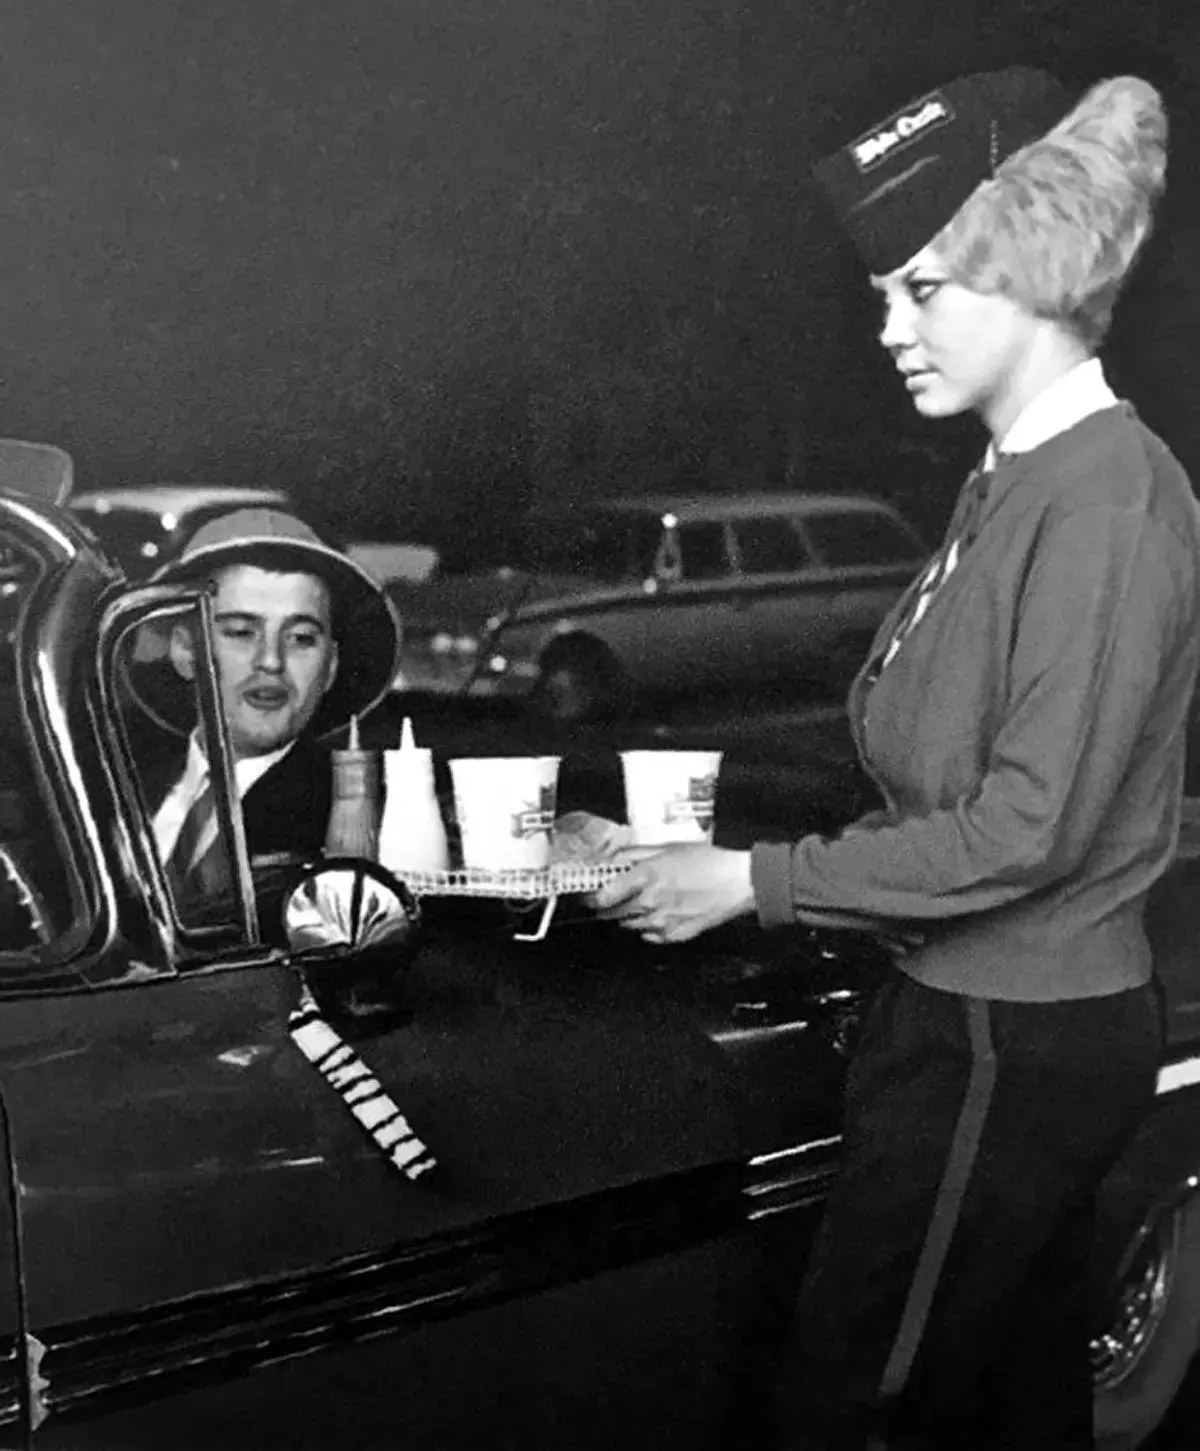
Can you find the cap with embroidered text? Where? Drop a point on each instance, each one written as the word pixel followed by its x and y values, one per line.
pixel 898 183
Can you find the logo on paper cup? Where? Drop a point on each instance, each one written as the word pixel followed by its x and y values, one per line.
pixel 697 806
pixel 535 816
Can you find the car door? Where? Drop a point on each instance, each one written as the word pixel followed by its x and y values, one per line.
pixel 818 622
pixel 214 1250
pixel 786 601
pixel 697 630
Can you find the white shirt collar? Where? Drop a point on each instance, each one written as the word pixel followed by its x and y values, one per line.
pixel 1064 403
pixel 246 770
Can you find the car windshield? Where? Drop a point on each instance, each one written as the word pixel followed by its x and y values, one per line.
pixel 589 544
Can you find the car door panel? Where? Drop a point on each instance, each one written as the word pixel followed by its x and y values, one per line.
pixel 198 1203
pixel 13 1418
pixel 641 1357
pixel 816 627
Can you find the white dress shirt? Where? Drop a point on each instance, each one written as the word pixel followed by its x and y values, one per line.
pixel 169 818
pixel 1066 402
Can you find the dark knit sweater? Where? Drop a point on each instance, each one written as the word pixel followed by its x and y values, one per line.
pixel 1029 735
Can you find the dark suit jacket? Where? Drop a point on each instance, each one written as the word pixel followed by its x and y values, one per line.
pixel 287 808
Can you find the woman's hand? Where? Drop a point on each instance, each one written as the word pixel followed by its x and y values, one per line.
pixel 678 892
pixel 582 836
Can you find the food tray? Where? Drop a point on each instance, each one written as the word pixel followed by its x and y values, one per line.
pixel 526 883
pixel 530 884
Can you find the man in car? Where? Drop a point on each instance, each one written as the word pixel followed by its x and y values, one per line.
pixel 303 640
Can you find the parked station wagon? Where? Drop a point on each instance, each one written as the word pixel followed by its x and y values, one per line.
pixel 595 606
pixel 569 1211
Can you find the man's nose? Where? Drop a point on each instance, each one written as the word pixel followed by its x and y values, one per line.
pixel 270 652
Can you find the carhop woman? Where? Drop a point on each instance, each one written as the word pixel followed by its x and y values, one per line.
pixel 1022 710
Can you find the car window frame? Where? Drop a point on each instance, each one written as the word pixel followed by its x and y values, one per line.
pixel 794 524
pixel 47 705
pixel 872 512
pixel 185 941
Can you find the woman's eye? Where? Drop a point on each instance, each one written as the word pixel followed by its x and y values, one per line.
pixel 303 639
pixel 922 289
pixel 237 632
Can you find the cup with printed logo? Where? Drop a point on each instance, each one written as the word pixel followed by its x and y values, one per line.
pixel 505 807
pixel 670 795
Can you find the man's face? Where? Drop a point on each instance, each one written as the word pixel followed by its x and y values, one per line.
pixel 275 652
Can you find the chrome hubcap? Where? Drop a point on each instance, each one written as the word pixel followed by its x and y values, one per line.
pixel 1138 1306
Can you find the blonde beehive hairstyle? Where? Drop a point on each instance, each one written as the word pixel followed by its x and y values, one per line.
pixel 1060 223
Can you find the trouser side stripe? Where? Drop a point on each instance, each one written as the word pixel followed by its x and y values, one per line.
pixel 964 1147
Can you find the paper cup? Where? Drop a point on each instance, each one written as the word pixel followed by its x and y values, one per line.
pixel 670 795
pixel 505 807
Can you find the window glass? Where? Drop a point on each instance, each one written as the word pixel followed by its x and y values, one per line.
pixel 192 837
pixel 36 905
pixel 769 545
pixel 703 549
pixel 610 548
pixel 854 538
pixel 281 801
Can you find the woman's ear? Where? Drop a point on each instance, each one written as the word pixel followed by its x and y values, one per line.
pixel 182 652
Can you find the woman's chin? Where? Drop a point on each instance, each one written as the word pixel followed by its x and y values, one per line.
pixel 930 401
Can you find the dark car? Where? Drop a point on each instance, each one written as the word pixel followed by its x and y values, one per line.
pixel 619 600
pixel 277 1179
pixel 142 528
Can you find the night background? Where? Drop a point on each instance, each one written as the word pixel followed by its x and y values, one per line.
pixel 421 262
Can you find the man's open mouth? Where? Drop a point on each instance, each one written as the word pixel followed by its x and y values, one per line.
pixel 265 698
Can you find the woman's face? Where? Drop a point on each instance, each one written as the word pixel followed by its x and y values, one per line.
pixel 956 349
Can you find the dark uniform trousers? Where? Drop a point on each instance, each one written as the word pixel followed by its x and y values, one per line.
pixel 947 1302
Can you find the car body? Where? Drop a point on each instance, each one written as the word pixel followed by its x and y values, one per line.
pixel 142 528
pixel 621 599
pixel 201 1242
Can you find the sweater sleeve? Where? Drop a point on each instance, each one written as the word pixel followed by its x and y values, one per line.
pixel 1096 615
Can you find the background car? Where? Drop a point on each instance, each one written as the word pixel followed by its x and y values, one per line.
pixel 594 606
pixel 142 528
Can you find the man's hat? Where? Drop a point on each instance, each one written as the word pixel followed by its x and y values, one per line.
pixel 897 184
pixel 365 624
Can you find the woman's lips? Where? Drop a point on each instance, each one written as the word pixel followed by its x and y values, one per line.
pixel 918 376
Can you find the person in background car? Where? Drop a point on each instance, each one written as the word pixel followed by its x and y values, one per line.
pixel 1023 710
pixel 303 639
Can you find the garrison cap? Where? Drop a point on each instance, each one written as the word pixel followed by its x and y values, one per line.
pixel 897 184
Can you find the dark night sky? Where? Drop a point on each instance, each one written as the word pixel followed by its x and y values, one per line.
pixel 422 258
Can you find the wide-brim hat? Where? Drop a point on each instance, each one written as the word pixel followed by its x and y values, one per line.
pixel 365 624
pixel 897 184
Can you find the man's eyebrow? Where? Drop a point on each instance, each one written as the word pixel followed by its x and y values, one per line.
pixel 225 616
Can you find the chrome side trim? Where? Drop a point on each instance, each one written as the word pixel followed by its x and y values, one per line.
pixel 123 1360
pixel 1184 1073
pixel 791 1179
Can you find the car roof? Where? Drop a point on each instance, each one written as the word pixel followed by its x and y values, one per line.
pixel 175 498
pixel 689 508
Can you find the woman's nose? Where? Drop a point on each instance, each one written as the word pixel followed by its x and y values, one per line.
pixel 896 333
